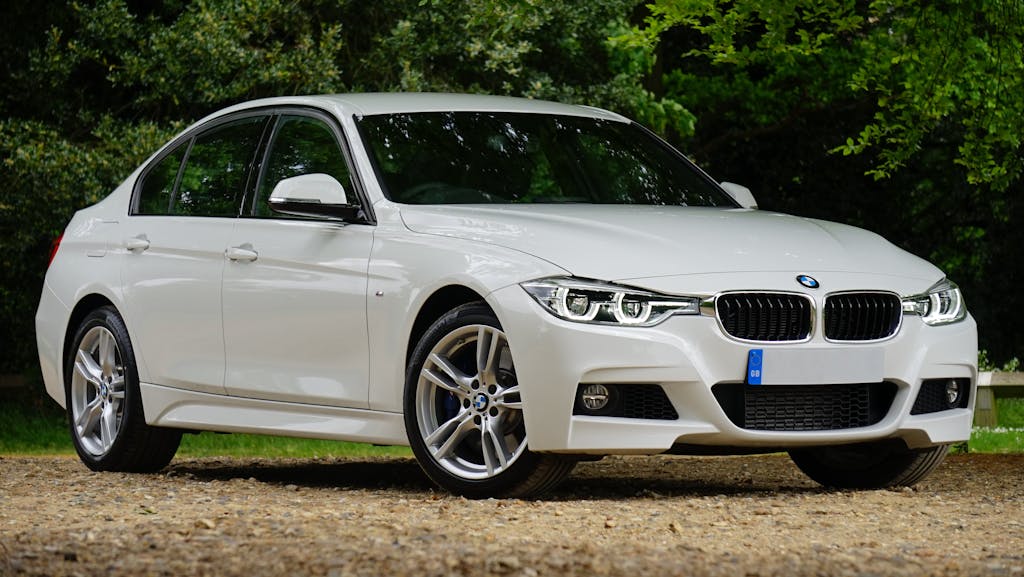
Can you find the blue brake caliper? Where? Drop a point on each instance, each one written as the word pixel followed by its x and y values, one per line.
pixel 451 406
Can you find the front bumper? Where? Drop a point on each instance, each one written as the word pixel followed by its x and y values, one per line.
pixel 687 356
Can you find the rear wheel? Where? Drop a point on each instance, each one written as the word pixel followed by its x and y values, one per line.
pixel 104 404
pixel 869 465
pixel 464 411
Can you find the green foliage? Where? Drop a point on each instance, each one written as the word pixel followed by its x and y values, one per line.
pixel 45 177
pixel 901 116
pixel 923 94
pixel 1010 366
pixel 173 64
pixel 538 49
pixel 95 90
pixel 924 66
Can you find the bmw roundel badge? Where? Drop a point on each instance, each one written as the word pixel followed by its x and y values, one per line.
pixel 808 281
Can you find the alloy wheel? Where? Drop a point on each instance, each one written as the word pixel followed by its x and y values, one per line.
pixel 469 405
pixel 97 391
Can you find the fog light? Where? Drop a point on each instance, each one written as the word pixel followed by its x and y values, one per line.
pixel 595 397
pixel 952 393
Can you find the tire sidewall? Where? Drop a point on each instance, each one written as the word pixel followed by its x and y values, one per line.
pixel 108 318
pixel 502 483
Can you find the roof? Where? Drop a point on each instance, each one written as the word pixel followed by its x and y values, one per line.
pixel 367 104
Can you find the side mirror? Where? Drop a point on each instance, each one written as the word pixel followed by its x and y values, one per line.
pixel 740 194
pixel 317 194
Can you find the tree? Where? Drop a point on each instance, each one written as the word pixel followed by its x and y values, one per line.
pixel 927 68
pixel 902 116
pixel 89 93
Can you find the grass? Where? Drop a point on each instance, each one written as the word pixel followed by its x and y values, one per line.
pixel 32 426
pixel 239 445
pixel 1008 437
pixel 997 440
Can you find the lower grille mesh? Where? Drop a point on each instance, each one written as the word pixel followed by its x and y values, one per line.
pixel 805 407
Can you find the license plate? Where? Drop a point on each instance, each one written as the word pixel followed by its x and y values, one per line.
pixel 811 366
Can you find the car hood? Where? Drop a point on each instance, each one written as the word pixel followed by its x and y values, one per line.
pixel 618 243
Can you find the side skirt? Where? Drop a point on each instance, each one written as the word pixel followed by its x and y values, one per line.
pixel 176 408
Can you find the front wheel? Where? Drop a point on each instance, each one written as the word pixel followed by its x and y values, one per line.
pixel 869 465
pixel 105 416
pixel 464 411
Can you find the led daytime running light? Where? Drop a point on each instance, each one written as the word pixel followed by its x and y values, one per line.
pixel 606 303
pixel 941 305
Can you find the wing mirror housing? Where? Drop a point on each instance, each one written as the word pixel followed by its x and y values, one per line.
pixel 316 195
pixel 740 194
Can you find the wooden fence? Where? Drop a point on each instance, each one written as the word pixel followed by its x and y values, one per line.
pixel 993 385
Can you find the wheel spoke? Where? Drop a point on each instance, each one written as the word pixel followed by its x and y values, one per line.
pixel 460 389
pixel 108 427
pixel 106 352
pixel 486 352
pixel 446 428
pixel 453 372
pixel 88 368
pixel 500 400
pixel 463 426
pixel 492 444
pixel 86 420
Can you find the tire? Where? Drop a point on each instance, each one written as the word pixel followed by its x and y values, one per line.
pixel 464 414
pixel 868 466
pixel 104 405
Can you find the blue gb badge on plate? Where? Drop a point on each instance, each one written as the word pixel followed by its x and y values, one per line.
pixel 755 366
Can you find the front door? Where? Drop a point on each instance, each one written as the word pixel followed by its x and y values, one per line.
pixel 295 288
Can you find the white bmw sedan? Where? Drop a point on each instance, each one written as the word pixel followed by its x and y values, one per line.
pixel 508 286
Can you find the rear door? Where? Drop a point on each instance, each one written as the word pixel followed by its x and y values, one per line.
pixel 182 216
pixel 295 304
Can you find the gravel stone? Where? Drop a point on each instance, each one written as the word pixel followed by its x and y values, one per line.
pixel 700 516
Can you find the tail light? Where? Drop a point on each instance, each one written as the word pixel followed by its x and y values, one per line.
pixel 54 248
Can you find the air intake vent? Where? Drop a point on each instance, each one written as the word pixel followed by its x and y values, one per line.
pixel 805 407
pixel 862 316
pixel 767 317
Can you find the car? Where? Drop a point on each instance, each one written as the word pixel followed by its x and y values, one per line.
pixel 508 286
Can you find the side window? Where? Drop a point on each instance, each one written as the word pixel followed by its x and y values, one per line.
pixel 214 177
pixel 157 189
pixel 302 145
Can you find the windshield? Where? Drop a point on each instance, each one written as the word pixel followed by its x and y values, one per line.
pixel 494 157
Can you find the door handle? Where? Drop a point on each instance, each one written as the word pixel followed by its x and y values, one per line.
pixel 241 253
pixel 136 243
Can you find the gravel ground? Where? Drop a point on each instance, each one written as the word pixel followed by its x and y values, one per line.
pixel 633 516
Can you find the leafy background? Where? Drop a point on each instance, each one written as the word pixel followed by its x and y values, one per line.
pixel 903 117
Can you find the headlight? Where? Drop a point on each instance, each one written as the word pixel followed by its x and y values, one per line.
pixel 595 302
pixel 941 305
